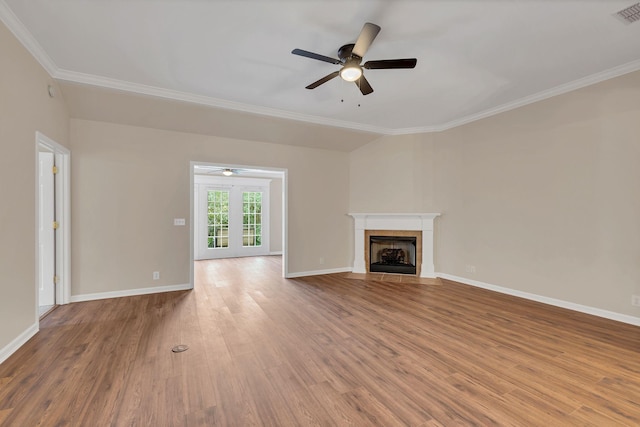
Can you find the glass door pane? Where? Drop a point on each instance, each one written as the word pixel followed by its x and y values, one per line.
pixel 217 219
pixel 251 219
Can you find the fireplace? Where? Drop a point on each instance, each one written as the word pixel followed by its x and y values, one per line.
pixel 418 227
pixel 392 254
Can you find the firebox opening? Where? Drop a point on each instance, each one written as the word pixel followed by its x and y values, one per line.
pixel 392 254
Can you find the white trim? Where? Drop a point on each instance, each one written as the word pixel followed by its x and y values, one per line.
pixel 592 79
pixel 318 272
pixel 272 112
pixel 63 217
pixel 192 216
pixel 285 223
pixel 395 221
pixel 63 214
pixel 18 342
pixel 26 38
pixel 109 83
pixel 130 292
pixel 29 42
pixel 546 300
pixel 275 253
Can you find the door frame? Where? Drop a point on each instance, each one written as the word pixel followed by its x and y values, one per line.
pixel 62 157
pixel 285 202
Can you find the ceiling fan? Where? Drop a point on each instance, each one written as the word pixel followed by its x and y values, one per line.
pixel 214 170
pixel 350 56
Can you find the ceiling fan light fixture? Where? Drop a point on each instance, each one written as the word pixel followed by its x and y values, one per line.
pixel 227 172
pixel 351 72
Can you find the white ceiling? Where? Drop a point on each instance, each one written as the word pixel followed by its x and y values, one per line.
pixel 475 58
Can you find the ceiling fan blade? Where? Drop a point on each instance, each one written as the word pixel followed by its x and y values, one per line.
pixel 390 63
pixel 363 85
pixel 366 37
pixel 317 56
pixel 323 80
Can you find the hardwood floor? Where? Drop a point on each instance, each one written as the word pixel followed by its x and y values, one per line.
pixel 329 350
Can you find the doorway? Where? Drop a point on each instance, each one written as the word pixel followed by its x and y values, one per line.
pixel 231 217
pixel 52 225
pixel 237 211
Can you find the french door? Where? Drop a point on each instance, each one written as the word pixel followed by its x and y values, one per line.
pixel 233 221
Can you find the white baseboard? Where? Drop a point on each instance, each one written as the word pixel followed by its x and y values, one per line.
pixel 275 253
pixel 18 342
pixel 546 300
pixel 129 292
pixel 318 272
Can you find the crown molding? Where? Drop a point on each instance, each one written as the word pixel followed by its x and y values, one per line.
pixel 29 42
pixel 265 111
pixel 106 82
pixel 592 79
pixel 24 36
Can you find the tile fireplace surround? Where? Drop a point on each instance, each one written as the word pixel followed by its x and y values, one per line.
pixel 394 222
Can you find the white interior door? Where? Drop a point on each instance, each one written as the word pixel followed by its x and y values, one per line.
pixel 46 194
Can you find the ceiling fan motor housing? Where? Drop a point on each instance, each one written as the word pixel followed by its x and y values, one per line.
pixel 346 52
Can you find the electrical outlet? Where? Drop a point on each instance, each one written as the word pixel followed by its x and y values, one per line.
pixel 635 300
pixel 470 268
pixel 179 221
pixel 156 275
pixel 321 261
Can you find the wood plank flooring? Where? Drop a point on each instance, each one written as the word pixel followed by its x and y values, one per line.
pixel 335 350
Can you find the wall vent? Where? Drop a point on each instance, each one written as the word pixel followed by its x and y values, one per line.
pixel 630 14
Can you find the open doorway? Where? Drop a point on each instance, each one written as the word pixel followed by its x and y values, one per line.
pixel 52 225
pixel 237 211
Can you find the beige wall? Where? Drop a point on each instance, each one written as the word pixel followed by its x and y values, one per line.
pixel 543 199
pixel 130 182
pixel 25 107
pixel 392 175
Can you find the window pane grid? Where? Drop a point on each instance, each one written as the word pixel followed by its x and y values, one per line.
pixel 252 218
pixel 218 219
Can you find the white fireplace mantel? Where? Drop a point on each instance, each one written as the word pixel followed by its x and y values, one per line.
pixel 388 221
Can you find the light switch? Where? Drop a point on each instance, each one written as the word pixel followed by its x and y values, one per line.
pixel 179 221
